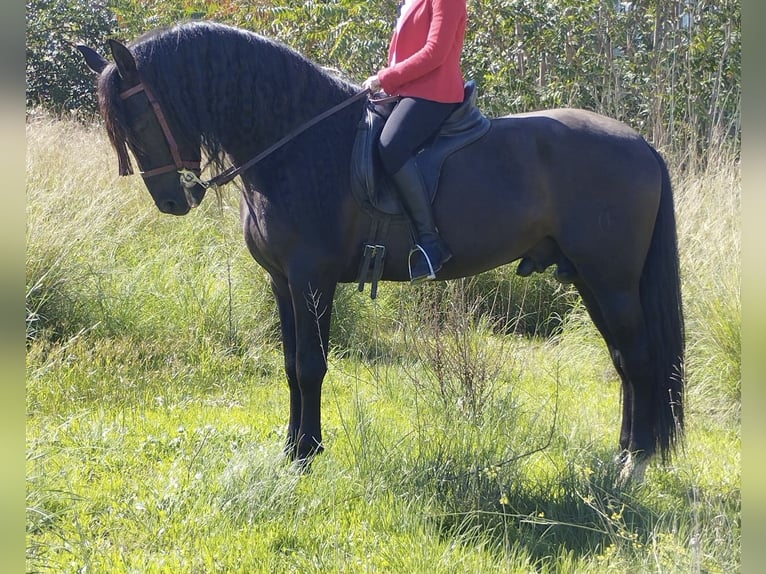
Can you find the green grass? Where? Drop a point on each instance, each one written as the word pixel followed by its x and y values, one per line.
pixel 466 431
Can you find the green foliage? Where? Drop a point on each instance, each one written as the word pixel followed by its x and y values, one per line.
pixel 670 69
pixel 349 35
pixel 56 77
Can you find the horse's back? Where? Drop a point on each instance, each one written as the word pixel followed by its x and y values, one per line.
pixel 578 153
pixel 579 119
pixel 589 182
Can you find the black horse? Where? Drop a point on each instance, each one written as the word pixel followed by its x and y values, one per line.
pixel 562 186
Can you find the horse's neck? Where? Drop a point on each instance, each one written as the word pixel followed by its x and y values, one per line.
pixel 278 106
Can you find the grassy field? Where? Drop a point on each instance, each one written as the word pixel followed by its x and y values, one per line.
pixel 470 426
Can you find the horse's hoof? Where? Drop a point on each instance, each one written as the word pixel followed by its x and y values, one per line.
pixel 290 450
pixel 632 468
pixel 307 449
pixel 302 465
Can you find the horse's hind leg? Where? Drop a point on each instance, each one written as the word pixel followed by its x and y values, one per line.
pixel 596 315
pixel 624 316
pixel 623 320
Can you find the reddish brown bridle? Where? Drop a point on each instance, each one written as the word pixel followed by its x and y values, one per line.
pixel 179 164
pixel 187 169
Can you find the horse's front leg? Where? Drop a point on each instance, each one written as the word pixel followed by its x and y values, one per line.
pixel 312 306
pixel 281 291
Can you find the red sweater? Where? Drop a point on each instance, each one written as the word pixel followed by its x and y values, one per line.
pixel 427 50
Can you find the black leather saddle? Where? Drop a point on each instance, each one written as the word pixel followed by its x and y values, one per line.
pixel 373 189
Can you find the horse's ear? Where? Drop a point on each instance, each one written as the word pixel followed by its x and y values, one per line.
pixel 93 59
pixel 126 64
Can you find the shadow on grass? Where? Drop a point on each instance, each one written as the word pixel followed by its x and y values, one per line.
pixel 578 511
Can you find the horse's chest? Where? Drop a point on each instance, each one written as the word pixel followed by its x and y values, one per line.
pixel 274 231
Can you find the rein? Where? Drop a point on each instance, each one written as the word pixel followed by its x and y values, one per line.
pixel 189 179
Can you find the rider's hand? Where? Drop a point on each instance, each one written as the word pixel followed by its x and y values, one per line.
pixel 372 83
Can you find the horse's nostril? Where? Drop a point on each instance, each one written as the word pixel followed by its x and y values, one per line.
pixel 173 207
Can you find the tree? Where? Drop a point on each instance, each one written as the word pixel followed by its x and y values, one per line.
pixel 56 77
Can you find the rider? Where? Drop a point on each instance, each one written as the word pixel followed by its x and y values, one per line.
pixel 424 71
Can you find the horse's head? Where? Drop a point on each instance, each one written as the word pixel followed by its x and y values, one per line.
pixel 136 120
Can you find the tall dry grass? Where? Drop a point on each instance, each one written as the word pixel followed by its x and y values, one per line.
pixel 708 204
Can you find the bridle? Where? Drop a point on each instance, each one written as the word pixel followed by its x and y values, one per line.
pixel 179 164
pixel 186 168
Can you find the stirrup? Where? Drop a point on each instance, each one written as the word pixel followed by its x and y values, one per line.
pixel 431 272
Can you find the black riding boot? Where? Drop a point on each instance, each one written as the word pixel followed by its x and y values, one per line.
pixel 430 252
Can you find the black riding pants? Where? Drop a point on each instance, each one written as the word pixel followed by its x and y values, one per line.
pixel 411 124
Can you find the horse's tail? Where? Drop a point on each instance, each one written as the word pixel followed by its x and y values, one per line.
pixel 663 311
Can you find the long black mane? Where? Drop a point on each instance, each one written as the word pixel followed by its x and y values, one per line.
pixel 223 87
